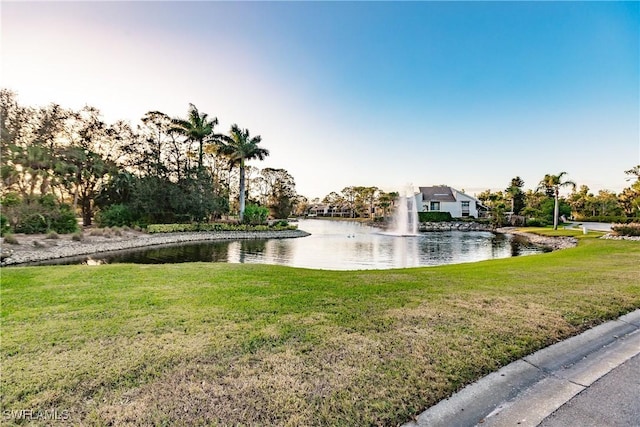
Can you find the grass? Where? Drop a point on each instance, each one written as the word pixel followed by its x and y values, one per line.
pixel 227 344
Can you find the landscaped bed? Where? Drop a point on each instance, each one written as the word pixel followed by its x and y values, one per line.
pixel 227 344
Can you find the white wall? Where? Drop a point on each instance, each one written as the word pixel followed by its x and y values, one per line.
pixel 454 208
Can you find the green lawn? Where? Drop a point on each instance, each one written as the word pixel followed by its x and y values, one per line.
pixel 227 344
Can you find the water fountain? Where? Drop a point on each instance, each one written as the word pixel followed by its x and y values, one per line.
pixel 405 218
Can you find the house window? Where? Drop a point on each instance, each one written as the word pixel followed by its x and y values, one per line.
pixel 435 206
pixel 465 208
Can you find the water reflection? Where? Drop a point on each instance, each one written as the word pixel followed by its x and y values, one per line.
pixel 340 245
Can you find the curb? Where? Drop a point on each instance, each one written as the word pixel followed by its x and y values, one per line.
pixel 528 390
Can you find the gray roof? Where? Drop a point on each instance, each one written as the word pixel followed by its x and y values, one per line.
pixel 439 193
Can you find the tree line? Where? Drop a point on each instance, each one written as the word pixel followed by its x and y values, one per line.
pixel 58 161
pixel 543 205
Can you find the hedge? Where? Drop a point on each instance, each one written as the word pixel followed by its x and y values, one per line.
pixel 611 219
pixel 434 216
pixel 631 229
pixel 181 228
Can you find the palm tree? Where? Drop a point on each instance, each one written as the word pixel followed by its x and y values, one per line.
pixel 552 184
pixel 197 128
pixel 516 195
pixel 240 147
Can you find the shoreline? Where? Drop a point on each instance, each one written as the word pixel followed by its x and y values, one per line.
pixel 37 248
pixel 552 242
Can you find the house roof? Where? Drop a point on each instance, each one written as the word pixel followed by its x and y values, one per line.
pixel 439 193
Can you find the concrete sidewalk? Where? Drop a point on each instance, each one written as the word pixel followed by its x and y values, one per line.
pixel 598 370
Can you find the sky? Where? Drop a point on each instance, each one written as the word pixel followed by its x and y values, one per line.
pixel 385 94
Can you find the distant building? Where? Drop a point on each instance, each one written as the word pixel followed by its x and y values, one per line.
pixel 446 199
pixel 324 210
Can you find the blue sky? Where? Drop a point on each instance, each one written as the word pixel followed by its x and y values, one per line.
pixel 469 94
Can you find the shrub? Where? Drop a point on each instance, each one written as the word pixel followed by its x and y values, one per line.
pixel 255 215
pixel 5 227
pixel 115 216
pixel 612 219
pixel 44 216
pixel 10 239
pixel 183 228
pixel 536 222
pixel 11 199
pixel 631 229
pixel 32 224
pixel 64 221
pixel 77 237
pixel 434 216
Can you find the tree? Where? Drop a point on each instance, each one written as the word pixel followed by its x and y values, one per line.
pixel 579 200
pixel 385 200
pixel 516 195
pixel 334 200
pixel 551 184
pixel 300 205
pixel 607 204
pixel 496 202
pixel 197 128
pixel 239 146
pixel 156 135
pixel 279 190
pixel 629 199
pixel 29 144
pixel 366 197
pixel 349 196
pixel 89 157
pixel 635 171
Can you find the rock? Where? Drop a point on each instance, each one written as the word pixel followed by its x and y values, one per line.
pixel 88 247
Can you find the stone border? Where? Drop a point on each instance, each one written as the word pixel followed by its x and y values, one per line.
pixel 454 226
pixel 611 236
pixel 70 249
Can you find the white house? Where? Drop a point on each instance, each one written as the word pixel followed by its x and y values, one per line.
pixel 446 199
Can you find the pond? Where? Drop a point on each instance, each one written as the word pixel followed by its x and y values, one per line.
pixel 339 245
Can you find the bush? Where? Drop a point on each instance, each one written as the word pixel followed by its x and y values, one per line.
pixel 64 221
pixel 10 239
pixel 32 224
pixel 612 219
pixel 184 228
pixel 115 216
pixel 536 222
pixel 434 216
pixel 77 237
pixel 5 227
pixel 42 217
pixel 255 215
pixel 11 199
pixel 631 229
